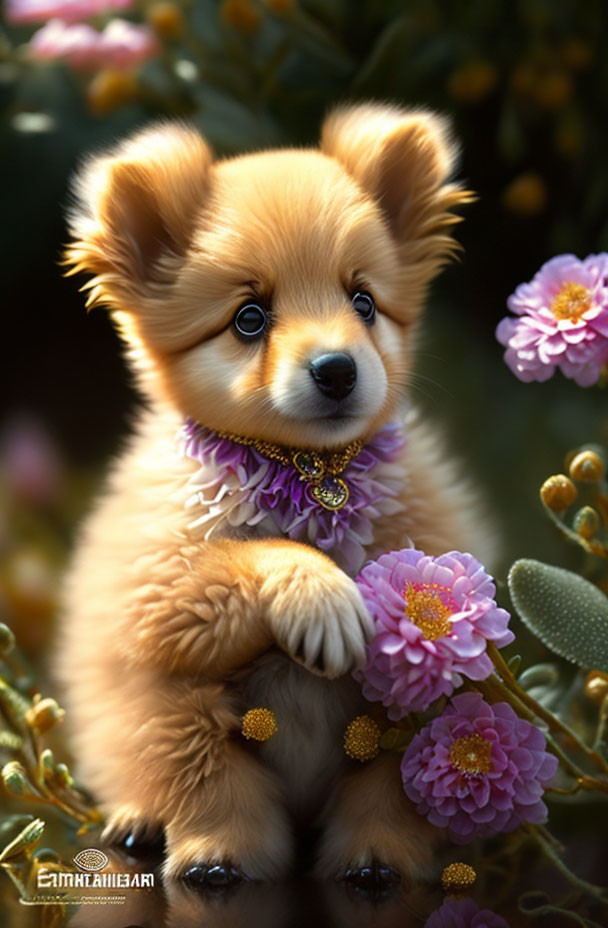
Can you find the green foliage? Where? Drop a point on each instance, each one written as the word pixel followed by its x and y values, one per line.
pixel 564 610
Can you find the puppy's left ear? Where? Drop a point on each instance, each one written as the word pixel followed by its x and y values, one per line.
pixel 404 159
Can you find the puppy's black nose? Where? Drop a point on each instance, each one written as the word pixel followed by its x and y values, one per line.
pixel 334 374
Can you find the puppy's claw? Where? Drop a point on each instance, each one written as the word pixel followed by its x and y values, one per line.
pixel 320 619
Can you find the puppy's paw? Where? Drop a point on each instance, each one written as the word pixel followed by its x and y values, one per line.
pixel 318 616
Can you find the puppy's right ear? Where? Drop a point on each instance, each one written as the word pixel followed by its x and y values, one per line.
pixel 135 212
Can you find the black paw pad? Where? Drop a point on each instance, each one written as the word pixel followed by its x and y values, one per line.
pixel 206 878
pixel 376 881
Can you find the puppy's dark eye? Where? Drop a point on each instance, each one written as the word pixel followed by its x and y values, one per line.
pixel 250 321
pixel 364 305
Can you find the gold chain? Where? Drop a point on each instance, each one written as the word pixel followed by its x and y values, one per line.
pixel 321 470
pixel 334 462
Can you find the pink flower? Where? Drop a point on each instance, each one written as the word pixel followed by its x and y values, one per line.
pixel 464 913
pixel 562 321
pixel 19 12
pixel 30 461
pixel 126 45
pixel 433 618
pixel 121 44
pixel 478 770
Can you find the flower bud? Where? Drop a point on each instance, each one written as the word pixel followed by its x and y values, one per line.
pixel 558 492
pixel 109 89
pixel 458 878
pixel 14 778
pixel 240 14
pixel 526 195
pixel 47 764
pixel 43 715
pixel 586 522
pixel 576 54
pixel 473 81
pixel 554 90
pixel 587 466
pixel 280 7
pixel 362 738
pixel 166 19
pixel 25 840
pixel 63 777
pixel 7 639
pixel 259 724
pixel 596 686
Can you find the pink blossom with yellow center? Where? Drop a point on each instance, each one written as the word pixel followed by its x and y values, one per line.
pixel 478 769
pixel 433 620
pixel 561 321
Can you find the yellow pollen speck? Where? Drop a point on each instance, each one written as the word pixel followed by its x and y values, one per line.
pixel 471 754
pixel 426 607
pixel 571 301
pixel 458 878
pixel 259 724
pixel 362 738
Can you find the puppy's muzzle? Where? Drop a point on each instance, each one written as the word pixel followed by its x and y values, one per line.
pixel 334 374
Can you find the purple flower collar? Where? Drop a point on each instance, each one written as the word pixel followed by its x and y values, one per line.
pixel 303 496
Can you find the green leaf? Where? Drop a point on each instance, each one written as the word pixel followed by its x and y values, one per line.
pixel 565 611
pixel 395 739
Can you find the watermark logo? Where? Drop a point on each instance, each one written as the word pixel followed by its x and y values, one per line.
pixel 82 885
pixel 91 859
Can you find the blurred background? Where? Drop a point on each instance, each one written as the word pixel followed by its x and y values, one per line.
pixel 524 82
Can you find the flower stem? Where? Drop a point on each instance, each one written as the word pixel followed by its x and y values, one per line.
pixel 551 720
pixel 494 687
pixel 598 892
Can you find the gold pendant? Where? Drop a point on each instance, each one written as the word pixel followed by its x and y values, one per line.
pixel 331 492
pixel 309 464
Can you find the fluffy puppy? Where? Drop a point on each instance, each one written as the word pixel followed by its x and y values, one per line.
pixel 232 283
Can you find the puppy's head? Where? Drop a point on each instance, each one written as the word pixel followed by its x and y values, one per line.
pixel 273 295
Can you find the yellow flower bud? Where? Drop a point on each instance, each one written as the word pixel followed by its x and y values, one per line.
pixel 576 54
pixel 109 89
pixel 166 19
pixel 458 878
pixel 587 466
pixel 554 90
pixel 526 195
pixel 280 7
pixel 259 724
pixel 43 715
pixel 596 686
pixel 362 738
pixel 523 78
pixel 240 14
pixel 570 138
pixel 558 492
pixel 586 522
pixel 472 82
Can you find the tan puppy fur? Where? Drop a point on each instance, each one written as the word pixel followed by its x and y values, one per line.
pixel 167 638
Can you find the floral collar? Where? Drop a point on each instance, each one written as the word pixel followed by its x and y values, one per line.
pixel 327 500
